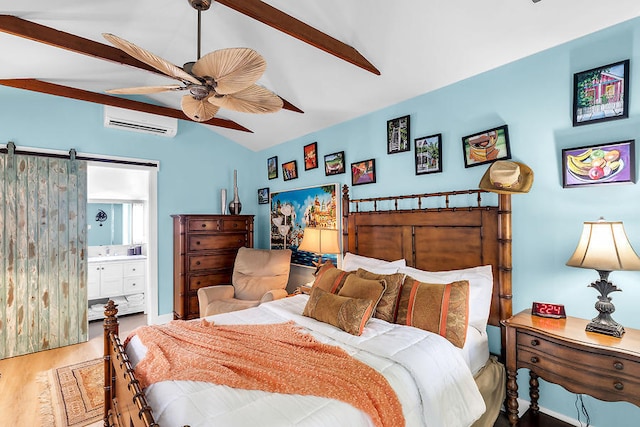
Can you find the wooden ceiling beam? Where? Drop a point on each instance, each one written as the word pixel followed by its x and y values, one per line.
pixel 279 20
pixel 99 98
pixel 42 34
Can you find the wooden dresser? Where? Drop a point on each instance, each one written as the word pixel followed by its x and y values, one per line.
pixel 204 249
pixel 562 352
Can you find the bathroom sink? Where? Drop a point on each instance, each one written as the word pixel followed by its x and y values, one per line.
pixel 107 258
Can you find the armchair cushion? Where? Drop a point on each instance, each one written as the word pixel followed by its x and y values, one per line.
pixel 258 271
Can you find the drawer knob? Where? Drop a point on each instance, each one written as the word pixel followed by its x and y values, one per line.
pixel 618 386
pixel 534 359
pixel 535 343
pixel 235 225
pixel 618 365
pixel 198 242
pixel 197 262
pixel 133 284
pixel 204 225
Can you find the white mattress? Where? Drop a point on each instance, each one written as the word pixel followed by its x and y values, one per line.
pixel 431 377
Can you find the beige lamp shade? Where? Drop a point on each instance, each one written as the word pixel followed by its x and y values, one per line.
pixel 604 246
pixel 320 241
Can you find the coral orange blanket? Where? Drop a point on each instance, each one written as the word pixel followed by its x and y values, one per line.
pixel 277 358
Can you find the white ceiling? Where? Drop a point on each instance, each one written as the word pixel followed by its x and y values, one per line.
pixel 418 46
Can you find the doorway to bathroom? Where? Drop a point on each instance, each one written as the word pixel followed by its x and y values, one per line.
pixel 122 239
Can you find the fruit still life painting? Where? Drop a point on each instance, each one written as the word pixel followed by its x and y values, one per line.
pixel 600 164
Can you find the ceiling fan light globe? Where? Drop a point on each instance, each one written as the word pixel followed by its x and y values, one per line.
pixel 198 110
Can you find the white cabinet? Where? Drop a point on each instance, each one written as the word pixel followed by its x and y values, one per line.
pixel 120 280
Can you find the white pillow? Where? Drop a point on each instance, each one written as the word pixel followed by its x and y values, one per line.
pixel 480 288
pixel 352 262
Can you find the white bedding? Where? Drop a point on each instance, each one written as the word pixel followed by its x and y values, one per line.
pixel 420 366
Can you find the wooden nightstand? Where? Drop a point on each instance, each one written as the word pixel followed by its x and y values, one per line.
pixel 562 352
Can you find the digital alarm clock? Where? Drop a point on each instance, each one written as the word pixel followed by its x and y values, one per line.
pixel 546 309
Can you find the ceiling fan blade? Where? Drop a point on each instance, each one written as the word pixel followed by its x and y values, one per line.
pixel 149 58
pixel 198 110
pixel 254 99
pixel 233 69
pixel 145 89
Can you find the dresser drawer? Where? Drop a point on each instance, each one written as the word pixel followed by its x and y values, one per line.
pixel 586 360
pixel 579 378
pixel 134 268
pixel 198 281
pixel 134 285
pixel 234 225
pixel 219 241
pixel 211 262
pixel 204 225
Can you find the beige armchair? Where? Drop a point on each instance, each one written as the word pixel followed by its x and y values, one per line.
pixel 259 275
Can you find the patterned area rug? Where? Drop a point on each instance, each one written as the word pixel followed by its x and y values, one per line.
pixel 73 395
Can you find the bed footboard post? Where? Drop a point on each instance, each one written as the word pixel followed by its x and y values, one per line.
pixel 110 326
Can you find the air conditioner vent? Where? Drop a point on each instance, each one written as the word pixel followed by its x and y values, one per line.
pixel 137 121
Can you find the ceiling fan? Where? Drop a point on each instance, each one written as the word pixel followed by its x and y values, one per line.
pixel 223 78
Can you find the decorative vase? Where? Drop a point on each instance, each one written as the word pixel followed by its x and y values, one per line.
pixel 235 206
pixel 223 201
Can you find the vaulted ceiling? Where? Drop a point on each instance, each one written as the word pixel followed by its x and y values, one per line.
pixel 358 56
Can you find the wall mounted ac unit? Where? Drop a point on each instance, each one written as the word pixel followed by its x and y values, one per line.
pixel 137 121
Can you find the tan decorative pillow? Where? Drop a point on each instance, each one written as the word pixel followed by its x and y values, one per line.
pixel 348 314
pixel 357 287
pixel 330 278
pixel 439 308
pixel 386 308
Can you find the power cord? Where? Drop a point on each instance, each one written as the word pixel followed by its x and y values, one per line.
pixel 581 409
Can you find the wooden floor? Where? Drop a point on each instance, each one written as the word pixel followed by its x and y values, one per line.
pixel 19 391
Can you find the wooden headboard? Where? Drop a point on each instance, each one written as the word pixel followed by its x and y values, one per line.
pixel 444 236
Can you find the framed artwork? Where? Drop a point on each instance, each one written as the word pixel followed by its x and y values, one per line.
pixel 334 163
pixel 294 210
pixel 363 172
pixel 311 156
pixel 428 151
pixel 398 135
pixel 611 163
pixel 272 167
pixel 290 170
pixel 601 94
pixel 486 147
pixel 263 196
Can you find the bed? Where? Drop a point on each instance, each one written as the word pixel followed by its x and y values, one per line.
pixel 445 236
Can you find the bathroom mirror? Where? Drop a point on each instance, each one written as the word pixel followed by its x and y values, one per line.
pixel 119 223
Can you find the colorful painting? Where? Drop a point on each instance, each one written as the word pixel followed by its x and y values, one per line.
pixel 334 163
pixel 294 210
pixel 272 167
pixel 363 172
pixel 599 164
pixel 601 94
pixel 311 156
pixel 486 147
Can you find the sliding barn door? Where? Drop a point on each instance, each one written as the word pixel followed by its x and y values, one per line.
pixel 43 272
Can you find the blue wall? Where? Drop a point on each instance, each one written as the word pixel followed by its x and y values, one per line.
pixel 532 96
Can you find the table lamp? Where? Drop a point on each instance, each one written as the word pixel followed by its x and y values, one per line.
pixel 320 241
pixel 604 246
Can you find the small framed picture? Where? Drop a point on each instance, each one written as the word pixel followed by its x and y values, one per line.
pixel 311 156
pixel 272 167
pixel 601 94
pixel 363 172
pixel 428 154
pixel 334 163
pixel 263 196
pixel 398 135
pixel 486 147
pixel 290 170
pixel 611 163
